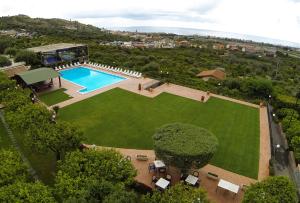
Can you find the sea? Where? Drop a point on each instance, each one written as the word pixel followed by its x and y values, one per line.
pixel 204 32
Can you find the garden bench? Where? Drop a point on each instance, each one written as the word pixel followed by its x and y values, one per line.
pixel 212 176
pixel 141 157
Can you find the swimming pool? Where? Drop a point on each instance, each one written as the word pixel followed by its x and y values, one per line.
pixel 89 79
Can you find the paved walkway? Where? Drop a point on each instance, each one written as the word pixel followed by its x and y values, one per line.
pixel 144 177
pixel 235 100
pixel 265 146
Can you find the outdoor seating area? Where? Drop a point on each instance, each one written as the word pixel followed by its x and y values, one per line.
pixel 134 74
pixel 156 174
pixel 162 178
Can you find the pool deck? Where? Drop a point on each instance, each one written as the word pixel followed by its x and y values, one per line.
pixel 131 84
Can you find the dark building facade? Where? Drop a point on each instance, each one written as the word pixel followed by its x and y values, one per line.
pixel 58 54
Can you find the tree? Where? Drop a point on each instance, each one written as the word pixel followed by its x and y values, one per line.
pixel 5 83
pixel 4 61
pixel 4 43
pixel 26 192
pixel 27 116
pixel 58 138
pixel 286 112
pixel 257 88
pixel 178 193
pixel 29 57
pixel 295 144
pixel 184 145
pixel 11 51
pixel 275 189
pixel 14 97
pixel 12 168
pixel 121 196
pixel 92 174
pixel 293 130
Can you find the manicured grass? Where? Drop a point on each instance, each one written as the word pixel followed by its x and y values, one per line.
pixel 119 118
pixel 54 97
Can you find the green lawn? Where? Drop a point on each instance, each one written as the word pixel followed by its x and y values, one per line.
pixel 119 118
pixel 54 97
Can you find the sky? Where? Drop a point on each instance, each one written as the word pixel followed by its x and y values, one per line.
pixel 278 19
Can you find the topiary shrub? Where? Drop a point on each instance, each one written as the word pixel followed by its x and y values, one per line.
pixel 184 146
pixel 4 61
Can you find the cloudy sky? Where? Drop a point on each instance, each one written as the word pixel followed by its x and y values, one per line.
pixel 278 19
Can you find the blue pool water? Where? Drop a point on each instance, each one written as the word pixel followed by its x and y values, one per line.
pixel 89 79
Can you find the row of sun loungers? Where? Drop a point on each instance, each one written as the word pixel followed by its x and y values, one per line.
pixel 117 70
pixel 66 66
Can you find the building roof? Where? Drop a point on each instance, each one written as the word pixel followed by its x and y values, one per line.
pixel 14 70
pixel 218 74
pixel 54 47
pixel 38 75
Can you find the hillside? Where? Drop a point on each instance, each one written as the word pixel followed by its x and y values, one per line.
pixel 55 27
pixel 181 64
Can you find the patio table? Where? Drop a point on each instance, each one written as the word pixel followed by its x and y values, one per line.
pixel 162 183
pixel 159 164
pixel 191 179
pixel 228 186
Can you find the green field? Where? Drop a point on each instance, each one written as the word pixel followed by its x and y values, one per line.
pixel 54 97
pixel 119 118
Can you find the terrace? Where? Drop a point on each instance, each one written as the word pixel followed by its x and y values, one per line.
pixel 124 117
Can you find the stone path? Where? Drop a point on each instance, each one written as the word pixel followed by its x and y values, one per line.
pixel 17 147
pixel 265 146
pixel 235 100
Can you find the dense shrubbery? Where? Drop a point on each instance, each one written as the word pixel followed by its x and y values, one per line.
pixel 4 61
pixel 4 43
pixel 11 51
pixel 273 189
pixel 29 57
pixel 290 121
pixel 178 193
pixel 35 121
pixel 26 192
pixel 93 175
pixel 12 168
pixel 184 146
pixel 15 182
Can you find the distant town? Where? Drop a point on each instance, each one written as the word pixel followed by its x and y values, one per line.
pixel 170 41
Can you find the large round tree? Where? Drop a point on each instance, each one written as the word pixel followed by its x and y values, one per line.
pixel 184 146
